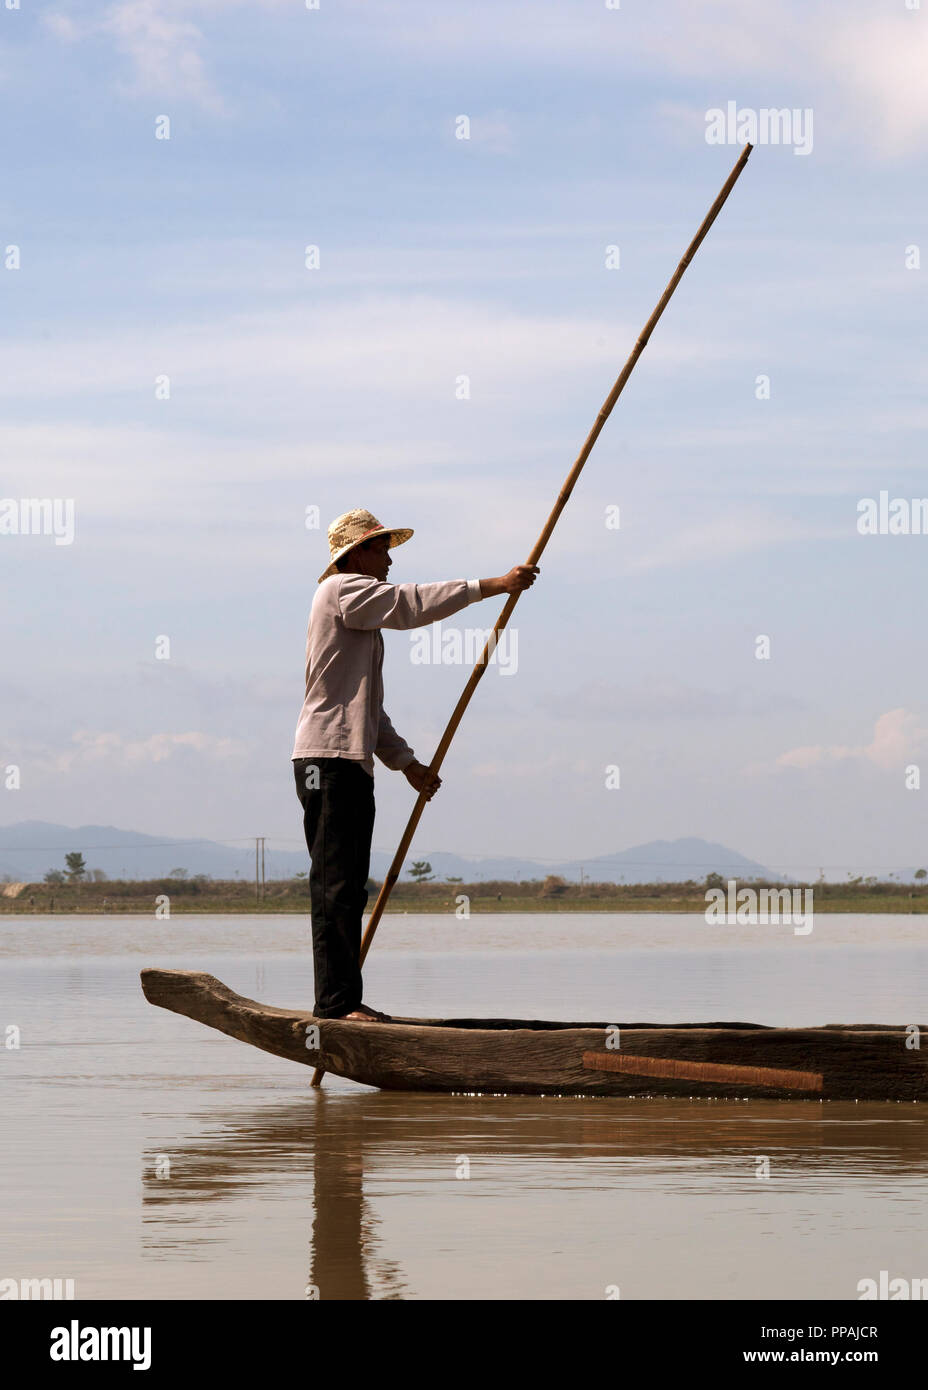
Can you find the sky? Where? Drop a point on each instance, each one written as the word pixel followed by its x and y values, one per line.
pixel 170 362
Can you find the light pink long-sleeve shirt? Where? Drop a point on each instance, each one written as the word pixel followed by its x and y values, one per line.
pixel 343 714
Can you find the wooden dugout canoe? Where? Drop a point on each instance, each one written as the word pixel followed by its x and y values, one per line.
pixel 524 1057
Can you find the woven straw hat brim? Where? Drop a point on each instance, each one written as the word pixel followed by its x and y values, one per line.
pixel 397 537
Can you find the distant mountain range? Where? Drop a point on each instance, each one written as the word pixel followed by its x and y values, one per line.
pixel 660 861
pixel 29 849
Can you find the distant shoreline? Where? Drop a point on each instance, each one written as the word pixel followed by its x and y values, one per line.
pixel 204 897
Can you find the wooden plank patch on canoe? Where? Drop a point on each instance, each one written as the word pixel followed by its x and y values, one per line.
pixel 681 1070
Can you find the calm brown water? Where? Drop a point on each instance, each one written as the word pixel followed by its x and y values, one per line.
pixel 146 1156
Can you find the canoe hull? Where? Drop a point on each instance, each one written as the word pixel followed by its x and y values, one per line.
pixel 521 1057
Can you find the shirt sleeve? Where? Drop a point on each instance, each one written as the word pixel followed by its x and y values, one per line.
pixel 392 750
pixel 365 603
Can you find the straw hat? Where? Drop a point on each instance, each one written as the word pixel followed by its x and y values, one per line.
pixel 351 529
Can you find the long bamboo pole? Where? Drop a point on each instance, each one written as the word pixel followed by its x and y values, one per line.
pixel 536 553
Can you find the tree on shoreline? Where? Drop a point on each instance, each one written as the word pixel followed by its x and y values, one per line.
pixel 75 866
pixel 553 887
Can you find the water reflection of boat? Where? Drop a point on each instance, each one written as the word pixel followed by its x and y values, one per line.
pixel 373 1179
pixel 530 1057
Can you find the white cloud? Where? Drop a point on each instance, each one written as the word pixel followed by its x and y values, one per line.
pixel 715 539
pixel 867 70
pixel 162 47
pixel 898 736
pixel 882 62
pixel 163 50
pixel 381 342
pixel 117 750
pixel 194 501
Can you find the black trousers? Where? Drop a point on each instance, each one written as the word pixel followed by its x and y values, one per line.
pixel 337 797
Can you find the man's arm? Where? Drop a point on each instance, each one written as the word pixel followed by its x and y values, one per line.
pixel 394 752
pixel 366 603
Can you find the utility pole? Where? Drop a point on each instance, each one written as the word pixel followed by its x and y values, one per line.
pixel 259 873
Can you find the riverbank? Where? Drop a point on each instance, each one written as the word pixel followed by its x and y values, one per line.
pixel 198 896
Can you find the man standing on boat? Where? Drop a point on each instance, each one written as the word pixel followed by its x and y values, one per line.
pixel 343 725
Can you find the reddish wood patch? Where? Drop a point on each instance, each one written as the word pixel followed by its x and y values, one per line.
pixel 703 1071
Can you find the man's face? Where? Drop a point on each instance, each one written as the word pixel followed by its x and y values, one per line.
pixel 373 558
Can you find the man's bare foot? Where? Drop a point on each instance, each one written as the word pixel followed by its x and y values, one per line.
pixel 362 1014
